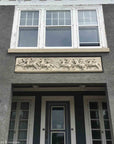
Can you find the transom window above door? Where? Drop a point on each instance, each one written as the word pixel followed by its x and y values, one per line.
pixel 58 28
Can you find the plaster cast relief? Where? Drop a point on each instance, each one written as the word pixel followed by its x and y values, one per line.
pixel 58 64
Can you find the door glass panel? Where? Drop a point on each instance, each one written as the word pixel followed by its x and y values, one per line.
pixel 10 136
pixel 97 142
pixel 12 121
pixel 24 105
pixel 58 138
pixel 12 124
pixel 58 117
pixel 23 122
pixel 108 134
pixel 96 134
pixel 22 142
pixel 94 114
pixel 108 142
pixel 93 105
pixel 95 122
pixel 22 135
pixel 106 124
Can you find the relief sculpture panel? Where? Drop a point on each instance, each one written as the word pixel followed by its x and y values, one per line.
pixel 58 64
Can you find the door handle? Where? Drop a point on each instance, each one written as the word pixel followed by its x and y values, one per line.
pixel 72 129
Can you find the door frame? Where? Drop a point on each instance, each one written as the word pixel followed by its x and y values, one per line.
pixel 86 100
pixel 30 129
pixel 70 99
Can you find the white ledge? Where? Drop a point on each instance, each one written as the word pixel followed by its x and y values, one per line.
pixel 58 2
pixel 81 50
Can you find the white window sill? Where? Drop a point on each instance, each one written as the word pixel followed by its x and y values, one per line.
pixel 82 50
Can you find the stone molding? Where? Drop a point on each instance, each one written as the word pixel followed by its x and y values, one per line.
pixel 58 64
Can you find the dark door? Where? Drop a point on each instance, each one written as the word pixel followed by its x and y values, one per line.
pixel 57 123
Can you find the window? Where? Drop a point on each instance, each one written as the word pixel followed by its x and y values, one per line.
pixel 21 121
pixel 97 124
pixel 28 29
pixel 58 29
pixel 88 28
pixel 70 27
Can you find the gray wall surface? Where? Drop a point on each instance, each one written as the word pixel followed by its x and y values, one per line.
pixel 7 64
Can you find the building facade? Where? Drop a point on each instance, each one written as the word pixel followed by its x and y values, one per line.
pixel 56 72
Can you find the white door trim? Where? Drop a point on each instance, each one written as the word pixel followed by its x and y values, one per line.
pixel 43 115
pixel 31 100
pixel 87 99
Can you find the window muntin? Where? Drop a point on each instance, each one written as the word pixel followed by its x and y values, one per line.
pixel 88 28
pixel 28 29
pixel 58 29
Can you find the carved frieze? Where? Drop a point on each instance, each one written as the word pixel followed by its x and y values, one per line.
pixel 58 64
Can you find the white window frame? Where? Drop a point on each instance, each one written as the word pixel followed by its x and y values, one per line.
pixel 57 9
pixel 86 100
pixel 74 26
pixel 30 99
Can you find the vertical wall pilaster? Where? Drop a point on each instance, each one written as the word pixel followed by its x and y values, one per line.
pixel 5 106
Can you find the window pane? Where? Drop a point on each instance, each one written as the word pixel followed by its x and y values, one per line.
pixel 93 105
pixel 97 142
pixel 28 37
pixel 57 138
pixel 13 114
pixel 22 142
pixel 23 124
pixel 108 134
pixel 14 106
pixel 58 36
pixel 25 105
pixel 87 17
pixel 104 105
pixel 24 114
pixel 105 114
pixel 96 134
pixel 108 142
pixel 11 135
pixel 23 18
pixel 94 114
pixel 95 124
pixel 29 18
pixel 57 117
pixel 12 124
pixel 89 36
pixel 58 18
pixel 106 124
pixel 22 135
pixel 36 18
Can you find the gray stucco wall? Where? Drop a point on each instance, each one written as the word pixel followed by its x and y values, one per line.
pixel 7 64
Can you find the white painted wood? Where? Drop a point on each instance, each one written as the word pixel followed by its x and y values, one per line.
pixel 42 25
pixel 53 2
pixel 99 100
pixel 31 100
pixel 43 115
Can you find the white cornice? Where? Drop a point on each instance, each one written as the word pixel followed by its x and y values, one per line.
pixel 55 2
